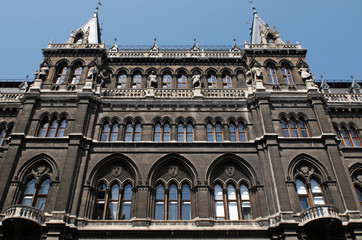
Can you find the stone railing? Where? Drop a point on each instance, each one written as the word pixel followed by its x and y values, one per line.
pixel 318 212
pixel 223 93
pixel 174 54
pixel 25 212
pixel 174 93
pixel 347 97
pixel 273 46
pixel 75 45
pixel 125 93
pixel 11 97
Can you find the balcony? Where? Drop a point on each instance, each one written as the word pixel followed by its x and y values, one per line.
pixel 27 213
pixel 319 213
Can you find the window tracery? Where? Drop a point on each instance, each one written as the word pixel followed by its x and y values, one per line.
pixel 122 81
pixel 349 136
pixel 272 75
pixel 76 73
pixel 293 127
pixel 4 133
pixel 237 132
pixel 287 74
pixel 53 127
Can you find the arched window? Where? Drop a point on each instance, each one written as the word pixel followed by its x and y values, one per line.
pixel 4 133
pixel 114 132
pixel 349 137
pixel 354 137
pixel 232 203
pixel 287 74
pixel 242 133
pixel 36 195
pixel 122 81
pixel 285 129
pixel 185 203
pixel 162 133
pixel 293 127
pixel 181 81
pixel 166 81
pixel 128 133
pixel 219 203
pixel 359 195
pixel 62 73
pixel 133 134
pixel 136 81
pixel 189 132
pixel 157 136
pixel 345 137
pixel 226 81
pixel 100 202
pixel 172 202
pixel 166 132
pixel 62 127
pixel 211 81
pixel 53 128
pixel 77 73
pixel 126 202
pixel 237 134
pixel 113 199
pixel 209 132
pixel 218 132
pixel 43 129
pixel 303 128
pixel 137 132
pixel 309 196
pixel 272 75
pixel 232 130
pixel 245 202
pixel 160 202
pixel 180 132
pixel 105 132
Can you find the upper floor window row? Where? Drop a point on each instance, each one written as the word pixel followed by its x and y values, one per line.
pixel 294 127
pixel 110 132
pixel 349 136
pixel 52 127
pixel 285 70
pixel 66 74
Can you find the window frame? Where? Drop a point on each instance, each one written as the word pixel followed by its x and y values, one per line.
pixel 309 195
pixel 212 81
pixel 122 81
pixel 272 74
pixel 182 81
pixel 287 74
pixel 76 73
pixel 61 73
pixel 35 195
pixel 136 81
pixel 166 81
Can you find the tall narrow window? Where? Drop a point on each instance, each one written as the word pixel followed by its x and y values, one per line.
pixel 209 133
pixel 354 137
pixel 302 194
pixel 160 202
pixel 185 203
pixel 293 128
pixel 128 133
pixel 189 133
pixel 126 202
pixel 4 134
pixel 166 132
pixel 43 129
pixel 272 76
pixel 242 133
pixel 114 132
pixel 100 201
pixel 122 81
pixel 105 132
pixel 62 127
pixel 316 192
pixel 359 195
pixel 157 137
pixel 181 81
pixel 232 203
pixel 211 82
pixel 137 132
pixel 226 81
pixel 285 128
pixel 345 137
pixel 62 73
pixel 172 203
pixel 166 81
pixel 113 197
pixel 245 202
pixel 136 81
pixel 218 131
pixel 287 74
pixel 180 132
pixel 303 128
pixel 42 194
pixel 77 74
pixel 232 130
pixel 53 128
pixel 29 193
pixel 219 203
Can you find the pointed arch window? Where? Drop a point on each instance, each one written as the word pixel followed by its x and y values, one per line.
pixel 62 127
pixel 113 202
pixel 166 81
pixel 36 195
pixel 232 203
pixel 189 132
pixel 181 81
pixel 77 74
pixel 237 134
pixel 137 132
pixel 133 134
pixel 354 137
pixel 185 203
pixel 219 203
pixel 293 127
pixel 226 81
pixel 346 140
pixel 172 202
pixel 126 202
pixel 245 202
pixel 211 81
pixel 62 73
pixel 128 133
pixel 160 202
pixel 136 81
pixel 4 133
pixel 53 128
pixel 359 195
pixel 218 132
pixel 105 132
pixel 166 132
pixel 122 81
pixel 272 75
pixel 180 132
pixel 309 195
pixel 242 132
pixel 209 132
pixel 287 74
pixel 100 201
pixel 162 133
pixel 114 133
pixel 157 136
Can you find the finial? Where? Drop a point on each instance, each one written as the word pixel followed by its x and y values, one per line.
pixel 155 40
pixel 322 78
pixel 194 40
pixel 234 40
pixel 115 40
pixel 352 77
pixel 98 5
pixel 26 78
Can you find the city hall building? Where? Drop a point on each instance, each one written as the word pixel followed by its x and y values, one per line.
pixel 179 143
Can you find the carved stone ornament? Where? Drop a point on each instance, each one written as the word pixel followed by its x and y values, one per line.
pixel 359 178
pixel 116 171
pixel 41 170
pixel 306 171
pixel 173 171
pixel 230 171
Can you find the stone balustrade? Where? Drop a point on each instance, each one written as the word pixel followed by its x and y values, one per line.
pixel 11 97
pixel 318 212
pixel 76 45
pixel 347 97
pixel 273 46
pixel 174 54
pixel 25 212
pixel 223 93
pixel 125 93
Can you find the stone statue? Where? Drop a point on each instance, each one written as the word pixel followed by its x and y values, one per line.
pixel 196 80
pixel 44 70
pixel 152 80
pixel 92 72
pixel 253 74
pixel 304 73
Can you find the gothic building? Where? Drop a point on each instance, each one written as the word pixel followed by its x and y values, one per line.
pixel 160 143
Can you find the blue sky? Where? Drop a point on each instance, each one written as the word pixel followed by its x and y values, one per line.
pixel 330 30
